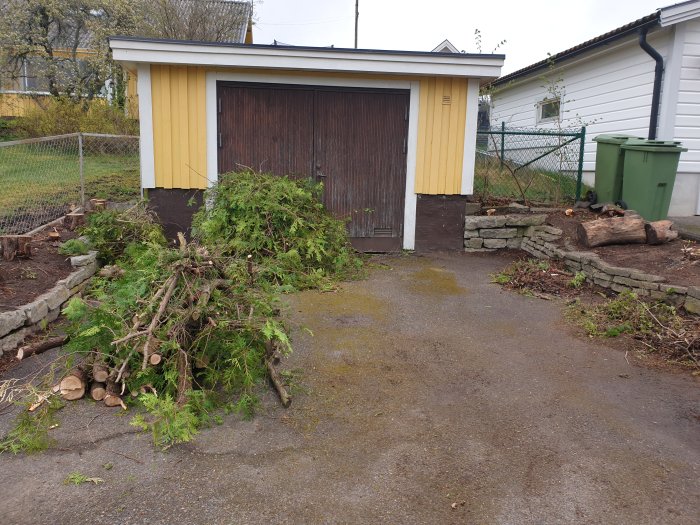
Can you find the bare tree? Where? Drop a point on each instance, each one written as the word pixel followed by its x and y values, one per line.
pixel 60 46
pixel 198 20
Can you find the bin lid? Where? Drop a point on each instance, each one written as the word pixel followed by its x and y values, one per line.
pixel 614 138
pixel 659 146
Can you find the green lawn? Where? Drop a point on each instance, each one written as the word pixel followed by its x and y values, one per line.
pixel 491 181
pixel 38 180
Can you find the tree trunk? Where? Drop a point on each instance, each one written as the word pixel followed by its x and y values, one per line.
pixel 40 347
pixel 660 232
pixel 98 391
pixel 618 230
pixel 72 220
pixel 73 386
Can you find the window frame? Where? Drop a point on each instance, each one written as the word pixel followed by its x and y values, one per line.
pixel 539 119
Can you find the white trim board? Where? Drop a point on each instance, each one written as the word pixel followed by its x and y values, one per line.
pixel 409 229
pixel 310 59
pixel 143 88
pixel 472 120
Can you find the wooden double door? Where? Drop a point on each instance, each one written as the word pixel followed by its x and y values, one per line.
pixel 353 140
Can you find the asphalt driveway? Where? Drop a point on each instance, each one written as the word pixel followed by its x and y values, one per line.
pixel 425 395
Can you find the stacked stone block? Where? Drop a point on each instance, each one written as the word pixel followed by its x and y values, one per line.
pixel 17 324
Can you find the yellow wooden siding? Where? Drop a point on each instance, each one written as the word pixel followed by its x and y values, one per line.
pixel 17 105
pixel 441 123
pixel 179 126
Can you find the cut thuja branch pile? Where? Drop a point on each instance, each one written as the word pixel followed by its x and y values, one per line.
pixel 183 330
pixel 658 327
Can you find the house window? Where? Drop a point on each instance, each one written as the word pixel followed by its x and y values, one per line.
pixel 548 110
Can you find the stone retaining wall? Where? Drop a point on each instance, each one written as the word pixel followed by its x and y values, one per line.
pixel 17 324
pixel 530 234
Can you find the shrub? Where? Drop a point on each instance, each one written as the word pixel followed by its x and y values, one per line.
pixel 282 224
pixel 58 116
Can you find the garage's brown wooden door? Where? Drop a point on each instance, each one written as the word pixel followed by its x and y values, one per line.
pixel 352 140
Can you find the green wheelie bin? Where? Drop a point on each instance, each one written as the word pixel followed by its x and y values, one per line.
pixel 649 175
pixel 609 161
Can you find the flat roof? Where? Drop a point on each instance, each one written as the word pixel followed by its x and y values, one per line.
pixel 135 50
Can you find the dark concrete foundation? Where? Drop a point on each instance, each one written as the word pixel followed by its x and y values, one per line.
pixel 440 222
pixel 175 208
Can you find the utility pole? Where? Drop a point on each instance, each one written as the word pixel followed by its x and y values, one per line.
pixel 357 16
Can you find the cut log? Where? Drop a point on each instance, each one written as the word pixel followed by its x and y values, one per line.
pixel 618 230
pixel 73 386
pixel 14 245
pixel 100 372
pixel 660 232
pixel 40 346
pixel 113 400
pixel 277 382
pixel 155 359
pixel 98 391
pixel 73 220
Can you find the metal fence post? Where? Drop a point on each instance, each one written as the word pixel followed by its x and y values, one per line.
pixel 503 140
pixel 579 179
pixel 82 174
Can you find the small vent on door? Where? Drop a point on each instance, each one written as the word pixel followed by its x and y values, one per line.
pixel 383 232
pixel 446 100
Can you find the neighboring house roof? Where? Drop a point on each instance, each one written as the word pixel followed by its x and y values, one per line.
pixel 445 47
pixel 665 16
pixel 603 39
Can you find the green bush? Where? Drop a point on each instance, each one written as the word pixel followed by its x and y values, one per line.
pixel 282 224
pixel 58 116
pixel 73 247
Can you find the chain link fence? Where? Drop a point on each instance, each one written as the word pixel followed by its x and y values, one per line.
pixel 532 165
pixel 42 179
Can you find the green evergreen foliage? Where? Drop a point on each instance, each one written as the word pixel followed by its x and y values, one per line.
pixel 111 231
pixel 282 224
pixel 73 247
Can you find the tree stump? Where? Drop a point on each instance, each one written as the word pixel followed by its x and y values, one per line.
pixel 618 230
pixel 98 204
pixel 14 245
pixel 73 220
pixel 660 232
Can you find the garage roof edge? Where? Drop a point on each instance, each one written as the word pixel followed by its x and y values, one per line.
pixel 131 50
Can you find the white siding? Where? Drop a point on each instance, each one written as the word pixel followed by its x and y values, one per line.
pixel 610 91
pixel 687 127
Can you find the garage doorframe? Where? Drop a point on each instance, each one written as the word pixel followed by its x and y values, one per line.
pixel 413 86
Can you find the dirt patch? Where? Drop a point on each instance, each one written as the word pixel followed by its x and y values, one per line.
pixel 667 260
pixel 24 279
pixel 435 281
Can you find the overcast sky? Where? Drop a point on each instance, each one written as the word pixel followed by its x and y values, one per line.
pixel 532 28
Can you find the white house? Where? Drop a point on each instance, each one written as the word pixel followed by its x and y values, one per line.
pixel 641 79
